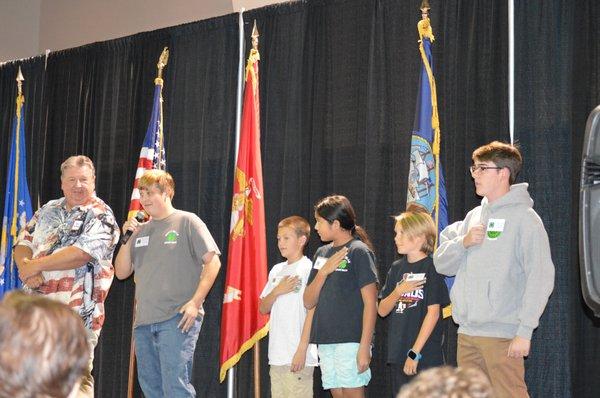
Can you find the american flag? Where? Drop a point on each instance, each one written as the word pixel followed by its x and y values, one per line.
pixel 152 155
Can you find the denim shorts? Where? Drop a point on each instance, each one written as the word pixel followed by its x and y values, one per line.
pixel 339 368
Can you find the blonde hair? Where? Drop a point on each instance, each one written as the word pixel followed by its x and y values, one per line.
pixel 416 223
pixel 299 224
pixel 77 161
pixel 158 178
pixel 446 381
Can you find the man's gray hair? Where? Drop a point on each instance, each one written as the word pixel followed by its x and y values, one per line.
pixel 77 161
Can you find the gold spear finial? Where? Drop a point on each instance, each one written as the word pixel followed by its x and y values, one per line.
pixel 424 26
pixel 425 9
pixel 255 36
pixel 20 79
pixel 162 61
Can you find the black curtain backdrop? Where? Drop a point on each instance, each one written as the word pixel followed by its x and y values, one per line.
pixel 557 55
pixel 338 89
pixel 584 355
pixel 542 126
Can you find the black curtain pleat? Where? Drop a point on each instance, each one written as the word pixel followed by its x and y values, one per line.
pixel 338 84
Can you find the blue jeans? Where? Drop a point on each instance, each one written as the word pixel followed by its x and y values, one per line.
pixel 164 358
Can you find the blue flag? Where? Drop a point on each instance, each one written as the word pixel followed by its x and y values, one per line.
pixel 17 202
pixel 426 188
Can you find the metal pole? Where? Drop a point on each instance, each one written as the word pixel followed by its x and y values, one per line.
pixel 257 369
pixel 511 70
pixel 238 119
pixel 238 122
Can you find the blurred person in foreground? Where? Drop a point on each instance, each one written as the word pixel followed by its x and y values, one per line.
pixel 448 382
pixel 43 348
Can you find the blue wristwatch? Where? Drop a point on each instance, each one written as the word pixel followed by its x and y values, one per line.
pixel 415 356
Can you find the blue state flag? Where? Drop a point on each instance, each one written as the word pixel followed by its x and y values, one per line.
pixel 17 202
pixel 426 187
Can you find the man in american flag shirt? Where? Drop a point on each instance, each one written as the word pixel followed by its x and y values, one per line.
pixel 65 251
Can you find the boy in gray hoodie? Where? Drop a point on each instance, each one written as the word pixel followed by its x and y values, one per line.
pixel 500 255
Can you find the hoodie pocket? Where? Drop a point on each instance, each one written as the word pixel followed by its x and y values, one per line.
pixel 479 303
pixel 458 298
pixel 505 297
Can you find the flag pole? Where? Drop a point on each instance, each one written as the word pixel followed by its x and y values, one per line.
pixel 425 31
pixel 240 87
pixel 257 344
pixel 13 225
pixel 20 101
pixel 238 123
pixel 162 62
pixel 511 70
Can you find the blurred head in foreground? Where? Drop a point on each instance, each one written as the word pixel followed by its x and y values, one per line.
pixel 448 382
pixel 43 347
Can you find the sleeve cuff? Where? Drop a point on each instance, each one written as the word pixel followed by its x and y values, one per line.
pixel 23 242
pixel 86 250
pixel 462 249
pixel 525 332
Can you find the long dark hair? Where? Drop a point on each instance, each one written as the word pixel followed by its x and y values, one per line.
pixel 338 207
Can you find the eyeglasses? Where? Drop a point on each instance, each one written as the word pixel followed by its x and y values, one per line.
pixel 481 168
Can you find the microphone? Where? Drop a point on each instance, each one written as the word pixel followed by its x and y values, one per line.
pixel 140 216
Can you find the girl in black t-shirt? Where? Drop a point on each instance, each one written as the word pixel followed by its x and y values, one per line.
pixel 343 287
pixel 412 298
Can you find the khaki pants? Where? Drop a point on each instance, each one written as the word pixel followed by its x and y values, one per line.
pixel 86 389
pixel 285 384
pixel 490 354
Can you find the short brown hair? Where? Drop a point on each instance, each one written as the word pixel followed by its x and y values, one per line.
pixel 416 223
pixel 158 178
pixel 43 347
pixel 77 161
pixel 299 224
pixel 503 155
pixel 446 381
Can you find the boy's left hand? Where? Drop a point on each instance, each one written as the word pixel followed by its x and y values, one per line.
pixel 298 360
pixel 410 367
pixel 363 358
pixel 519 347
pixel 190 312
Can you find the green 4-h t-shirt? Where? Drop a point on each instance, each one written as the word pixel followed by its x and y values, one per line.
pixel 167 261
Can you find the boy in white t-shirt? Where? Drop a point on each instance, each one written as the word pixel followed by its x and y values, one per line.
pixel 291 358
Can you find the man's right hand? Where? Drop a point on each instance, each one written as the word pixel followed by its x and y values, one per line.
pixel 475 236
pixel 33 282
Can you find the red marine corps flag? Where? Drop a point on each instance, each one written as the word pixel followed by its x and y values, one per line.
pixel 242 325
